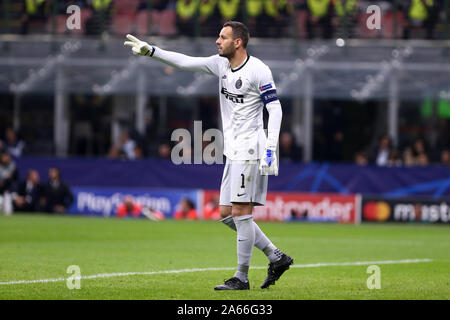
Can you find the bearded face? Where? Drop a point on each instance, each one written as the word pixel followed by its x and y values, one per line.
pixel 225 43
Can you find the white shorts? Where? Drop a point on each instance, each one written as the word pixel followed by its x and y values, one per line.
pixel 241 182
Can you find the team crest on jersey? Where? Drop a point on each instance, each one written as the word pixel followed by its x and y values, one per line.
pixel 238 84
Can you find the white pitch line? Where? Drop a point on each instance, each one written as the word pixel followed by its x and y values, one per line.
pixel 313 265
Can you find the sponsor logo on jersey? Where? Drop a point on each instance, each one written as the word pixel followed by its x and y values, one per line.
pixel 265 87
pixel 224 76
pixel 236 98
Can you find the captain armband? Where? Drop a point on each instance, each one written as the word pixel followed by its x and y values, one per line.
pixel 269 96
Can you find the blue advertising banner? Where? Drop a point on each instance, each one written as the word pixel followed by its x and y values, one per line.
pixel 293 177
pixel 104 201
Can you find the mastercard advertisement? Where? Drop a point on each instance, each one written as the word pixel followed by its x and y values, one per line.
pixel 408 209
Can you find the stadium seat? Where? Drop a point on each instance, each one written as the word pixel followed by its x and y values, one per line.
pixel 302 15
pixel 125 6
pixel 86 13
pixel 61 20
pixel 167 24
pixel 124 17
pixel 60 23
pixel 123 23
pixel 162 22
pixel 387 22
pixel 142 22
pixel 364 32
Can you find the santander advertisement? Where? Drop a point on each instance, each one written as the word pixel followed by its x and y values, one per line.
pixel 293 206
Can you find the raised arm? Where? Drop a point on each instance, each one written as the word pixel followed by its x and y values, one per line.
pixel 208 65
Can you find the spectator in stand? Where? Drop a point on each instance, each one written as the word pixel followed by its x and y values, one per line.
pixel 229 10
pixel 57 195
pixel 209 18
pixel 100 18
pixel 394 159
pixel 28 194
pixel 408 158
pixel 164 151
pixel 269 18
pixel 336 150
pixel 126 148
pixel 361 158
pixel 421 14
pixel 380 155
pixel 186 210
pixel 211 209
pixel 345 14
pixel 419 150
pixel 128 208
pixel 131 208
pixel 289 152
pixel 187 16
pixel 13 145
pixel 320 13
pixel 162 16
pixel 445 157
pixel 423 160
pixel 8 173
pixel 8 179
pixel 257 20
pixel 34 16
pixel 416 154
pixel 277 17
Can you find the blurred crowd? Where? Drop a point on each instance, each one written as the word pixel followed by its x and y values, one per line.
pixel 290 151
pixel 265 18
pixel 29 194
pixel 384 153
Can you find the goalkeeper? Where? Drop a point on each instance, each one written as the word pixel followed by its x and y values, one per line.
pixel 246 86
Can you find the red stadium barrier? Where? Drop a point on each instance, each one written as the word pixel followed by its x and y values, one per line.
pixel 294 206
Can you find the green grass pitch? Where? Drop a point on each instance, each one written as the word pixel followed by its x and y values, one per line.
pixel 34 247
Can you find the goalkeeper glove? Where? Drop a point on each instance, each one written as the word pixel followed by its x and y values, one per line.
pixel 269 163
pixel 139 47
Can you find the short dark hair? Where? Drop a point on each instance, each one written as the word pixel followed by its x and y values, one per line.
pixel 240 30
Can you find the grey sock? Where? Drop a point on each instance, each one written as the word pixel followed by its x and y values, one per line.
pixel 242 273
pixel 229 222
pixel 245 242
pixel 261 241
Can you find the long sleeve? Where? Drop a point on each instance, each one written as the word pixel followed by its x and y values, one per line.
pixel 269 97
pixel 274 123
pixel 208 65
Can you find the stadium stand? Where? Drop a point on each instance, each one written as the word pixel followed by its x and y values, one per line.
pixel 345 76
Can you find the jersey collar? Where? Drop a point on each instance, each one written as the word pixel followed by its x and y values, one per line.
pixel 242 65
